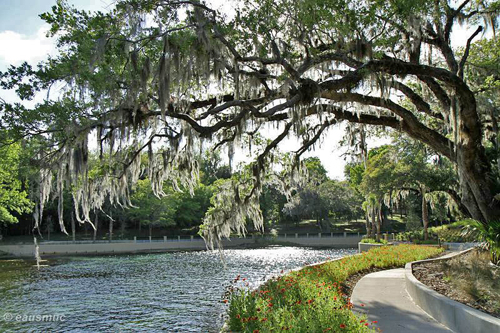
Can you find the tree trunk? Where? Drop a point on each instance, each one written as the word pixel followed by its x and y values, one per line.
pixel 379 221
pixel 425 212
pixel 368 229
pixel 401 208
pixel 73 227
pixel 383 217
pixel 476 183
pixel 390 203
pixel 373 222
pixel 96 225
pixel 110 229
pixel 122 228
pixel 49 226
pixel 150 230
pixel 458 200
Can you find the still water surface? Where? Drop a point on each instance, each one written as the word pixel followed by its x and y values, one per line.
pixel 173 292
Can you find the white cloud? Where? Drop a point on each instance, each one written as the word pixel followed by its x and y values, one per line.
pixel 17 48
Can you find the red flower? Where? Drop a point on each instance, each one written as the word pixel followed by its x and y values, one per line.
pixel 258 309
pixel 374 321
pixel 270 305
pixel 225 301
pixel 362 304
pixel 238 316
pixel 264 319
pixel 256 331
pixel 342 326
pixel 310 301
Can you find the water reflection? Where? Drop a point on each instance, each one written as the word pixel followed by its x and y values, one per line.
pixel 175 292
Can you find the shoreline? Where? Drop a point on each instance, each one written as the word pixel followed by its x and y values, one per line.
pixel 247 246
pixel 127 247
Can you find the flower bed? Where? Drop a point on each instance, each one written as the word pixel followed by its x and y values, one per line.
pixel 312 299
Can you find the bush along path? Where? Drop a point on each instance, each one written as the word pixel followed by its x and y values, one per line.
pixel 312 299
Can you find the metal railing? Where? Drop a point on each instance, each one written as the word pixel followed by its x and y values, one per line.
pixel 184 238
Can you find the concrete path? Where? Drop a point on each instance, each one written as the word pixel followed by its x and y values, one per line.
pixel 383 298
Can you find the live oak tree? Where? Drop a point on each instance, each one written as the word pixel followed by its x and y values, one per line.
pixel 170 76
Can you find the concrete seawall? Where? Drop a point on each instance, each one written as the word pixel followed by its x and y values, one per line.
pixel 82 248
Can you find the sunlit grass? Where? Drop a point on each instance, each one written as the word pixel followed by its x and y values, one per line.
pixel 373 241
pixel 312 299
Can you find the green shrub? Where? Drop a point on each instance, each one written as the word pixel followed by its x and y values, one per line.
pixel 445 233
pixel 411 236
pixel 312 299
pixel 454 232
pixel 373 241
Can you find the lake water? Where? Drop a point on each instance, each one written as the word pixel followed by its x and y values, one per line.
pixel 173 292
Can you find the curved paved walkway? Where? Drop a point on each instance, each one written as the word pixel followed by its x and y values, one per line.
pixel 383 298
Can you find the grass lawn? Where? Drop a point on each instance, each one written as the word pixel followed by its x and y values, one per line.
pixel 312 299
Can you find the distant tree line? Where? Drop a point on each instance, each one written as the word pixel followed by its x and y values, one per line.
pixel 404 178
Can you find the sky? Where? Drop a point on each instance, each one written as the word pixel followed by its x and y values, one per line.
pixel 22 38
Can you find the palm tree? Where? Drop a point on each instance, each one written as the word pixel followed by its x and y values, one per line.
pixel 489 234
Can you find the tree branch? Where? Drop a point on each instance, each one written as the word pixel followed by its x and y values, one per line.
pixel 420 104
pixel 411 125
pixel 450 17
pixel 438 92
pixel 466 52
pixel 315 138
